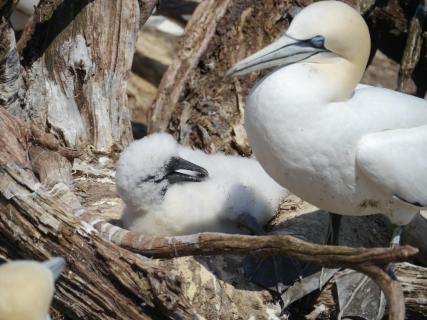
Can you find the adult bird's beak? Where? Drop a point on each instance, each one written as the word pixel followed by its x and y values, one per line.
pixel 284 51
pixel 56 266
pixel 180 170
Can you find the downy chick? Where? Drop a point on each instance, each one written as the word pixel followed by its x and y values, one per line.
pixel 170 189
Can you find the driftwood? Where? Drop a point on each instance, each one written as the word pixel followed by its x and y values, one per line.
pixel 70 115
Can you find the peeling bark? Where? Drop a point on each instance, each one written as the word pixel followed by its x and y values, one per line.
pixel 77 56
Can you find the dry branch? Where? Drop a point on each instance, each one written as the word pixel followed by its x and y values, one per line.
pixel 361 259
pixel 196 38
pixel 211 243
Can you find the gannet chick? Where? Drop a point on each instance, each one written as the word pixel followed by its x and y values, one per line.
pixel 169 189
pixel 27 287
pixel 23 11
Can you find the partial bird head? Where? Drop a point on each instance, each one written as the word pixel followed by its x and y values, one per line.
pixel 321 32
pixel 27 287
pixel 148 167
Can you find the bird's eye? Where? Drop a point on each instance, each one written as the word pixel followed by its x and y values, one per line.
pixel 318 42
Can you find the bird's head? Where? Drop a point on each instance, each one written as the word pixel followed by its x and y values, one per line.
pixel 148 167
pixel 319 33
pixel 27 287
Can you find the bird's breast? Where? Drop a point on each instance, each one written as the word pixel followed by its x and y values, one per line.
pixel 298 145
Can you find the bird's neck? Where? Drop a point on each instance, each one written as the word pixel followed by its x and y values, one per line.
pixel 311 83
pixel 341 76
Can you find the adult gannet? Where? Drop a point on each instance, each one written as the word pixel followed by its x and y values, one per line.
pixel 170 189
pixel 26 288
pixel 347 148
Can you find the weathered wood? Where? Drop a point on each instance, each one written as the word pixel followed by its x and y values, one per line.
pixel 194 100
pixel 35 223
pixel 77 56
pixel 198 34
pixel 412 52
pixel 369 231
pixel 10 68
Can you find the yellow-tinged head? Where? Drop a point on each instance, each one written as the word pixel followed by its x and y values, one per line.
pixel 330 34
pixel 343 29
pixel 27 287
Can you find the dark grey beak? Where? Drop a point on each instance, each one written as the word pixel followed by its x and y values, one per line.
pixel 180 170
pixel 56 266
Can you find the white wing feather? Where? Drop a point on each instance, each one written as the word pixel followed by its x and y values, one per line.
pixel 397 161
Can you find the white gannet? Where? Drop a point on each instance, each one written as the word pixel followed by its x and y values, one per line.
pixel 27 287
pixel 347 148
pixel 23 11
pixel 169 189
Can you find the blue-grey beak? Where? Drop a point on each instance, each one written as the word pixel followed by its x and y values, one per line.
pixel 284 51
pixel 56 266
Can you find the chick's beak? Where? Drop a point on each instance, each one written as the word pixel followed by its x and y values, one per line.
pixel 181 170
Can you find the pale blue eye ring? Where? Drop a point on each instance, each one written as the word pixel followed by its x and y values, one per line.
pixel 318 42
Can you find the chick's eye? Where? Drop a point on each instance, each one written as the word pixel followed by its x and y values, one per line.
pixel 318 42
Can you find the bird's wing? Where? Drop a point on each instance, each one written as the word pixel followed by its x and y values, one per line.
pixel 397 161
